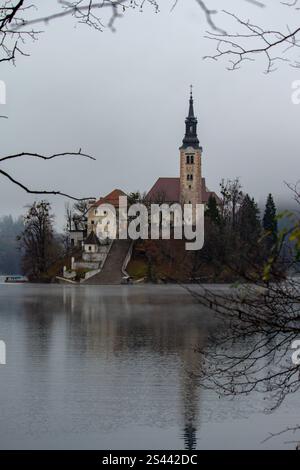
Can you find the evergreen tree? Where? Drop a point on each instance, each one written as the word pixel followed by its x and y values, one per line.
pixel 249 220
pixel 212 210
pixel 270 222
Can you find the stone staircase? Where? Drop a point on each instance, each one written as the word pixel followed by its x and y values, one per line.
pixel 111 272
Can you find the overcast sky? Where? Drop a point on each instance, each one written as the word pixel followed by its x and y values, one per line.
pixel 123 97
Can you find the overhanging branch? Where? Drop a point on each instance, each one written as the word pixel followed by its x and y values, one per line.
pixel 31 191
pixel 37 155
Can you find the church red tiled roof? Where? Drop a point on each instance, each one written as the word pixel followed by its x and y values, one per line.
pixel 111 198
pixel 168 190
pixel 165 190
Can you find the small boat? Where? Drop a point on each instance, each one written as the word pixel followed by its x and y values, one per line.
pixel 16 279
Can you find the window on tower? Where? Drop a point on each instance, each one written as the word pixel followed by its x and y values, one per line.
pixel 190 159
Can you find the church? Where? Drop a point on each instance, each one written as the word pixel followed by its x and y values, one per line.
pixel 103 259
pixel 190 186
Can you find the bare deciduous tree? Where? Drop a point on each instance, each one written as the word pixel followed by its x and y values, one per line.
pixel 37 240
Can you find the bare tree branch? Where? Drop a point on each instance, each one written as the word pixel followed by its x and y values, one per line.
pixel 43 157
pixel 31 191
pixel 291 429
pixel 37 155
pixel 238 47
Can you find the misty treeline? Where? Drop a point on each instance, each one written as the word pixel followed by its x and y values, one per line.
pixel 10 256
pixel 31 245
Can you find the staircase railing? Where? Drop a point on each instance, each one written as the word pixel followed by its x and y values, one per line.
pixel 126 260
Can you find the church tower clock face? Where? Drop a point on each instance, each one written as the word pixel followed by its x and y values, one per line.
pixel 190 161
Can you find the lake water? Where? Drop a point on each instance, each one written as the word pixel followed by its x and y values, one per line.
pixel 106 367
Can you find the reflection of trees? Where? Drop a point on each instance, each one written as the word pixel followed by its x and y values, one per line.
pixel 38 313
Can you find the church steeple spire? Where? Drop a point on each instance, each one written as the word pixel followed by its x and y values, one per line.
pixel 190 138
pixel 191 108
pixel 190 160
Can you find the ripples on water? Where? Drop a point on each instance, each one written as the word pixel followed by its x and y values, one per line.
pixel 115 367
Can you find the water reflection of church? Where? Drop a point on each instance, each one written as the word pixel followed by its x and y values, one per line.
pixel 156 349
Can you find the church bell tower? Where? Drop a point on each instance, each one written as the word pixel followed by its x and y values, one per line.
pixel 190 160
